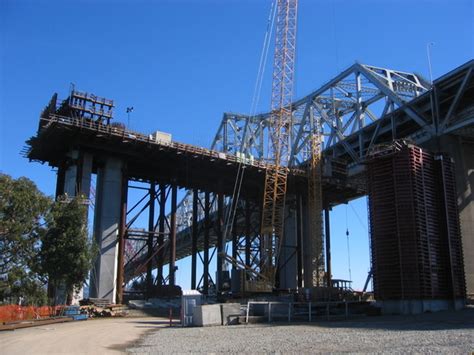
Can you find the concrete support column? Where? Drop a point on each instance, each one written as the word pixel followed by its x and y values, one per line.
pixel 60 182
pixel 76 175
pixel 73 179
pixel 106 224
pixel 308 265
pixel 462 152
pixel 220 241
pixel 70 174
pixel 287 259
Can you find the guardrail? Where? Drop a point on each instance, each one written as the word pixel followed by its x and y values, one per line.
pixel 140 137
pixel 290 313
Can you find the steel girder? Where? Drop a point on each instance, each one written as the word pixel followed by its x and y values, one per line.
pixel 357 97
pixel 362 106
pixel 455 118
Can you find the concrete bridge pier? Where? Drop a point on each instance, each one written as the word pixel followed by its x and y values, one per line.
pixel 74 174
pixel 288 275
pixel 106 225
pixel 462 152
pixel 73 179
pixel 309 266
pixel 220 244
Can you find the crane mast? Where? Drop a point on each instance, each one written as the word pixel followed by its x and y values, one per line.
pixel 279 136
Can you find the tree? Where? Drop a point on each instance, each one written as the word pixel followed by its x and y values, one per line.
pixel 66 253
pixel 22 214
pixel 24 285
pixel 40 241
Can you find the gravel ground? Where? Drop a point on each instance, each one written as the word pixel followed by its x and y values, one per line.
pixel 443 332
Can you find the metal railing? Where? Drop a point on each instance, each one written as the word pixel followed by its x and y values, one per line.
pixel 290 313
pixel 181 148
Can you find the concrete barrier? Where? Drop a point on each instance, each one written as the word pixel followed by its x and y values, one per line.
pixel 207 315
pixel 230 313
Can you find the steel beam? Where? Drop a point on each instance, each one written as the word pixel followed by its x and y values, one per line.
pixel 220 241
pixel 248 231
pixel 172 263
pixel 299 238
pixel 194 249
pixel 151 222
pixel 161 233
pixel 235 243
pixel 328 246
pixel 207 225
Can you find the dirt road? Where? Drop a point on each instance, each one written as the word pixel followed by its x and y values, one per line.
pixel 97 336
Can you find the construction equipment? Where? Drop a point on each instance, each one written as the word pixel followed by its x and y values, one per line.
pixel 273 211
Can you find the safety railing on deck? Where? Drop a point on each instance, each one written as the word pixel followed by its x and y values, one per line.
pixel 140 137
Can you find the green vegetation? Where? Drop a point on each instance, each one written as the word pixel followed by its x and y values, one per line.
pixel 41 242
pixel 22 211
pixel 66 253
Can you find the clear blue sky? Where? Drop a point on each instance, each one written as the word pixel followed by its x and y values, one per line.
pixel 182 63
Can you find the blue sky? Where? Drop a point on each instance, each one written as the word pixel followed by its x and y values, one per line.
pixel 182 63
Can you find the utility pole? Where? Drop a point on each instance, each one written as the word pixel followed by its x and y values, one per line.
pixel 129 110
pixel 428 53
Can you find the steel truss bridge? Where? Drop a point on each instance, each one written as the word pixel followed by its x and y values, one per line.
pixel 360 108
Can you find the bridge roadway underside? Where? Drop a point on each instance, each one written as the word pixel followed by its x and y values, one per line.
pixel 441 119
pixel 65 142
pixel 177 164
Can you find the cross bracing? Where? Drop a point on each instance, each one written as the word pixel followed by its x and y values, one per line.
pixel 343 106
pixel 359 109
pixel 362 106
pixel 357 97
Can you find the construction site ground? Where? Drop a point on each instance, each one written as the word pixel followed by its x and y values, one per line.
pixel 442 332
pixel 429 333
pixel 95 336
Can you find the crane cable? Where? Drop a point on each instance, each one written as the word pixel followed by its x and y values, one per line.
pixel 253 108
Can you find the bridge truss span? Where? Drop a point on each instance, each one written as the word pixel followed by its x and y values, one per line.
pixel 362 107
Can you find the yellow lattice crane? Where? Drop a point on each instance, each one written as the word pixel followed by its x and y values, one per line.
pixel 273 213
pixel 279 136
